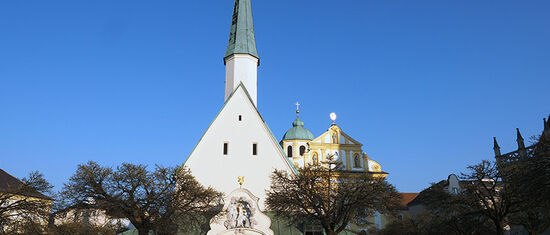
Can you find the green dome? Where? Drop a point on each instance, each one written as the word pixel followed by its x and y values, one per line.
pixel 298 131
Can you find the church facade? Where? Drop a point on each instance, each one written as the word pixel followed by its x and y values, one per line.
pixel 238 153
pixel 303 149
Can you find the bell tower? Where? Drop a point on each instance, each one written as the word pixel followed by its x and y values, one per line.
pixel 241 58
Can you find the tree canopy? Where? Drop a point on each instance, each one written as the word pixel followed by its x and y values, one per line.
pixel 23 203
pixel 323 196
pixel 164 200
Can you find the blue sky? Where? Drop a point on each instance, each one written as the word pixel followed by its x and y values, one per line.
pixel 424 85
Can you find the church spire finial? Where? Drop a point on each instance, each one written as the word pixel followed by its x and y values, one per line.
pixel 333 118
pixel 521 144
pixel 297 108
pixel 241 37
pixel 496 147
pixel 545 131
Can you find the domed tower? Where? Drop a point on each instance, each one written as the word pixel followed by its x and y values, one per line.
pixel 296 140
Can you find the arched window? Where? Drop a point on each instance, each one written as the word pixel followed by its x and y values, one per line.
pixel 302 150
pixel 315 159
pixel 356 161
pixel 289 151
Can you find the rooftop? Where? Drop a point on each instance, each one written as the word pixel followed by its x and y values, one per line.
pixel 10 184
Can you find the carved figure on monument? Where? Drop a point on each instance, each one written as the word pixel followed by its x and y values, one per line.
pixel 240 215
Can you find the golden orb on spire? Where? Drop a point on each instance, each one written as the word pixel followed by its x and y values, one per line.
pixel 333 117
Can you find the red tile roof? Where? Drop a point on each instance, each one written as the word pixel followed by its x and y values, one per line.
pixel 406 198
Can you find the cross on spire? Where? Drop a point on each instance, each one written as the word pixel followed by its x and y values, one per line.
pixel 297 107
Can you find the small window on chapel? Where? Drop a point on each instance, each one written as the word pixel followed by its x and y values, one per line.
pixel 225 148
pixel 302 150
pixel 254 149
pixel 289 151
pixel 240 118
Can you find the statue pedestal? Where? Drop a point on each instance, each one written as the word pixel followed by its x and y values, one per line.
pixel 240 216
pixel 243 231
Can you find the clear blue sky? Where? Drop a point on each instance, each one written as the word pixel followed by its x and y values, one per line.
pixel 424 85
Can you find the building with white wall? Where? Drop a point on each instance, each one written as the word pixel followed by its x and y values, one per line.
pixel 238 144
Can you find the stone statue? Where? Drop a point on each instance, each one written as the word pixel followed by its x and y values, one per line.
pixel 240 215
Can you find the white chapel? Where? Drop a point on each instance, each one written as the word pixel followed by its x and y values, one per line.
pixel 238 146
pixel 238 143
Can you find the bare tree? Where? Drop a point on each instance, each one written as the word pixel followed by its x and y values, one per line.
pixel 164 200
pixel 449 213
pixel 324 196
pixel 23 205
pixel 488 194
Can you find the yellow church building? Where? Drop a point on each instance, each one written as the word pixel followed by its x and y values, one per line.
pixel 303 148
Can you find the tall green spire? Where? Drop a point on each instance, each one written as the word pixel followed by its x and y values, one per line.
pixel 241 36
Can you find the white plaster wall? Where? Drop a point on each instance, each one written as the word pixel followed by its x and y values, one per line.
pixel 211 167
pixel 343 158
pixel 328 139
pixel 300 163
pixel 241 68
